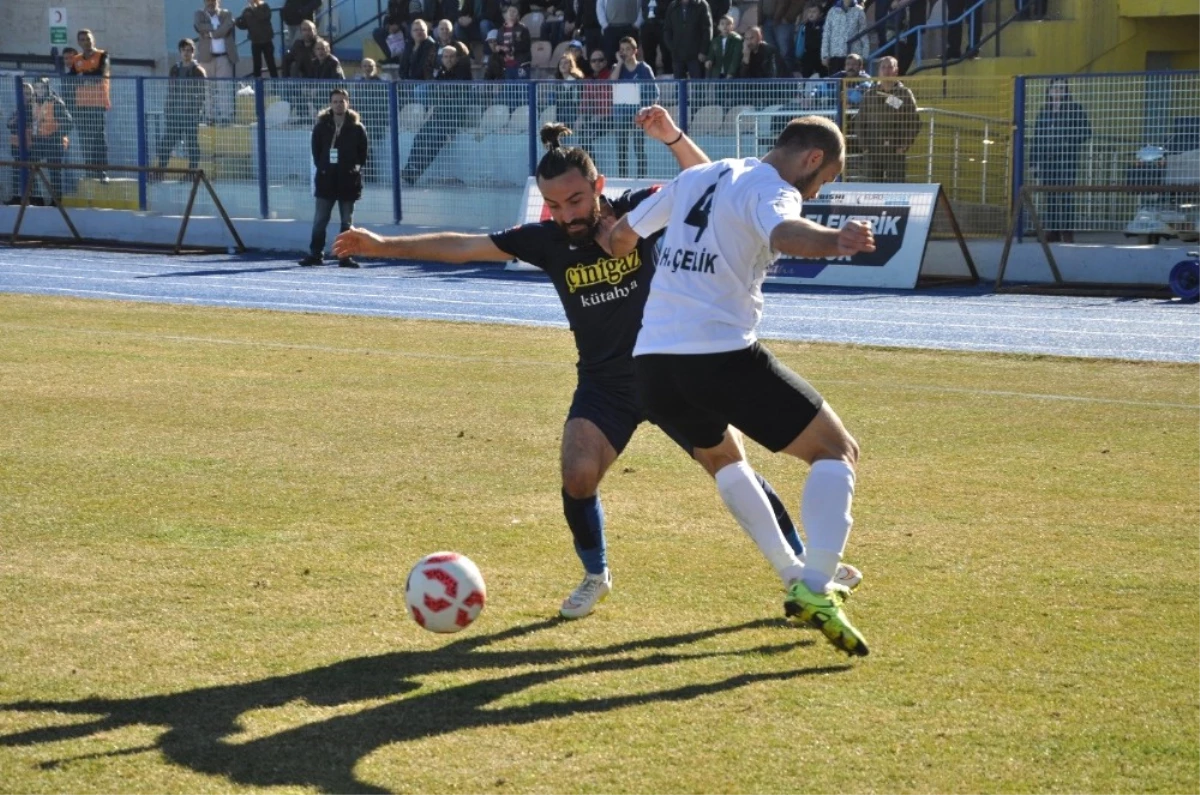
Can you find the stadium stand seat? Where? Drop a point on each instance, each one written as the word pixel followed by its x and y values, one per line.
pixel 412 116
pixel 558 51
pixel 534 21
pixel 494 119
pixel 518 123
pixel 730 125
pixel 749 18
pixel 707 120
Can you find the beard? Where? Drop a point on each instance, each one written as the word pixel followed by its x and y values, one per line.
pixel 808 184
pixel 581 230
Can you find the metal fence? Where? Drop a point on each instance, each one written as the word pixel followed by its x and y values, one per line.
pixel 457 155
pixel 1095 130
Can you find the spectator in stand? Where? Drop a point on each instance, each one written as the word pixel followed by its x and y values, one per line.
pixel 68 86
pixel 493 58
pixel 580 20
pixel 954 30
pixel 653 15
pixel 629 68
pixel 578 51
pixel 915 16
pixel 808 42
pixel 327 66
pixel 759 59
pixel 568 91
pixel 618 19
pixel 294 14
pixel 19 128
pixel 372 100
pixel 445 38
pixel 766 19
pixel 299 60
pixel 216 50
pixel 464 18
pixel 687 33
pixel 595 104
pixel 516 44
pixel 50 122
pixel 183 108
pixel 89 67
pixel 725 51
pixel 887 124
pixel 395 21
pixel 843 22
pixel 422 57
pixel 787 17
pixel 255 19
pixel 339 154
pixel 448 116
pixel 1061 130
pixel 395 44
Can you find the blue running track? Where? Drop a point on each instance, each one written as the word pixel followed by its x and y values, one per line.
pixel 966 319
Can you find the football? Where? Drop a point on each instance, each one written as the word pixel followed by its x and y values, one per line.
pixel 445 592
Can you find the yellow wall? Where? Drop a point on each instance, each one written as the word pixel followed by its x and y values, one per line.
pixel 1158 8
pixel 1096 36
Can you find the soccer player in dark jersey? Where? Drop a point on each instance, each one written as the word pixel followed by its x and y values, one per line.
pixel 603 298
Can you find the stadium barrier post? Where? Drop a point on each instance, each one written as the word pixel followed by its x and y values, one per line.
pixel 394 146
pixel 944 200
pixel 22 131
pixel 683 104
pixel 1018 167
pixel 260 113
pixel 534 133
pixel 139 93
pixel 212 194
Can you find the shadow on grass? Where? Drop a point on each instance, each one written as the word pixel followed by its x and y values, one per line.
pixel 200 723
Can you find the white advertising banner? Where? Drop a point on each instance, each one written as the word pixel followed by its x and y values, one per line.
pixel 901 215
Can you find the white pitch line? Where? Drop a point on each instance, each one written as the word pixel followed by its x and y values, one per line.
pixel 554 363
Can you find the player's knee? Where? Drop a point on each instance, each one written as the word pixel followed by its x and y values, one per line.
pixel 580 482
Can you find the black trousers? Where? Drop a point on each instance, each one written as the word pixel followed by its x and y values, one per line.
pixel 50 150
pixel 175 129
pixel 89 126
pixel 261 52
pixel 650 39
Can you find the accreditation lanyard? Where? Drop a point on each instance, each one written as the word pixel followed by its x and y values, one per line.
pixel 333 150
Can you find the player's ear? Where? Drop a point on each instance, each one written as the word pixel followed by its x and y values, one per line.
pixel 599 184
pixel 814 159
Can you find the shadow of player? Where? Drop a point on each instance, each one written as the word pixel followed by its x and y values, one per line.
pixel 202 724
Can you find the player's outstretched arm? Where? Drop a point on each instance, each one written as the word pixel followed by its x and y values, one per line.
pixel 450 247
pixel 657 123
pixel 803 238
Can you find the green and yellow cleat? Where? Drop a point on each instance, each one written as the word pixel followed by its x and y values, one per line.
pixel 824 612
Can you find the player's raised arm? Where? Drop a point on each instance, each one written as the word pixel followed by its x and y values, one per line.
pixel 449 247
pixel 657 123
pixel 803 238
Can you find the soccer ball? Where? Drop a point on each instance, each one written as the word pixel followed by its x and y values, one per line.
pixel 445 592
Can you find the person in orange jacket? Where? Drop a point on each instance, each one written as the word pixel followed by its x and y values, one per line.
pixel 90 69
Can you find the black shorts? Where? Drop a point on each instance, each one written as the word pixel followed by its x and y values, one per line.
pixel 700 394
pixel 614 408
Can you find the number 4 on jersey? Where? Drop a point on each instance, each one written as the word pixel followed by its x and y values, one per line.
pixel 698 215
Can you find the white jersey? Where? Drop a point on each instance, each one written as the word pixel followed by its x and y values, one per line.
pixel 706 296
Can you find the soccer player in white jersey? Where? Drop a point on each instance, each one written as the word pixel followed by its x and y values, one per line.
pixel 700 367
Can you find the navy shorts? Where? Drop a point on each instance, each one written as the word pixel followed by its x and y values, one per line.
pixel 614 408
pixel 701 394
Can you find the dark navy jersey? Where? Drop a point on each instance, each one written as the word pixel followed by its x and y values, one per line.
pixel 603 296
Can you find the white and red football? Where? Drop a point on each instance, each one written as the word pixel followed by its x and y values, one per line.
pixel 445 592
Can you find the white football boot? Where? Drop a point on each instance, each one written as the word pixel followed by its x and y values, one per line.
pixel 583 599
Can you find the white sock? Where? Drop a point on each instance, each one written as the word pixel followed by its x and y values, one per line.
pixel 825 514
pixel 748 504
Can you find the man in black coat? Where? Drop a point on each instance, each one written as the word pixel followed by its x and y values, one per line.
pixel 687 34
pixel 339 154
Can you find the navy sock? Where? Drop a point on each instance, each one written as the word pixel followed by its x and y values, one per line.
pixel 586 519
pixel 781 515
